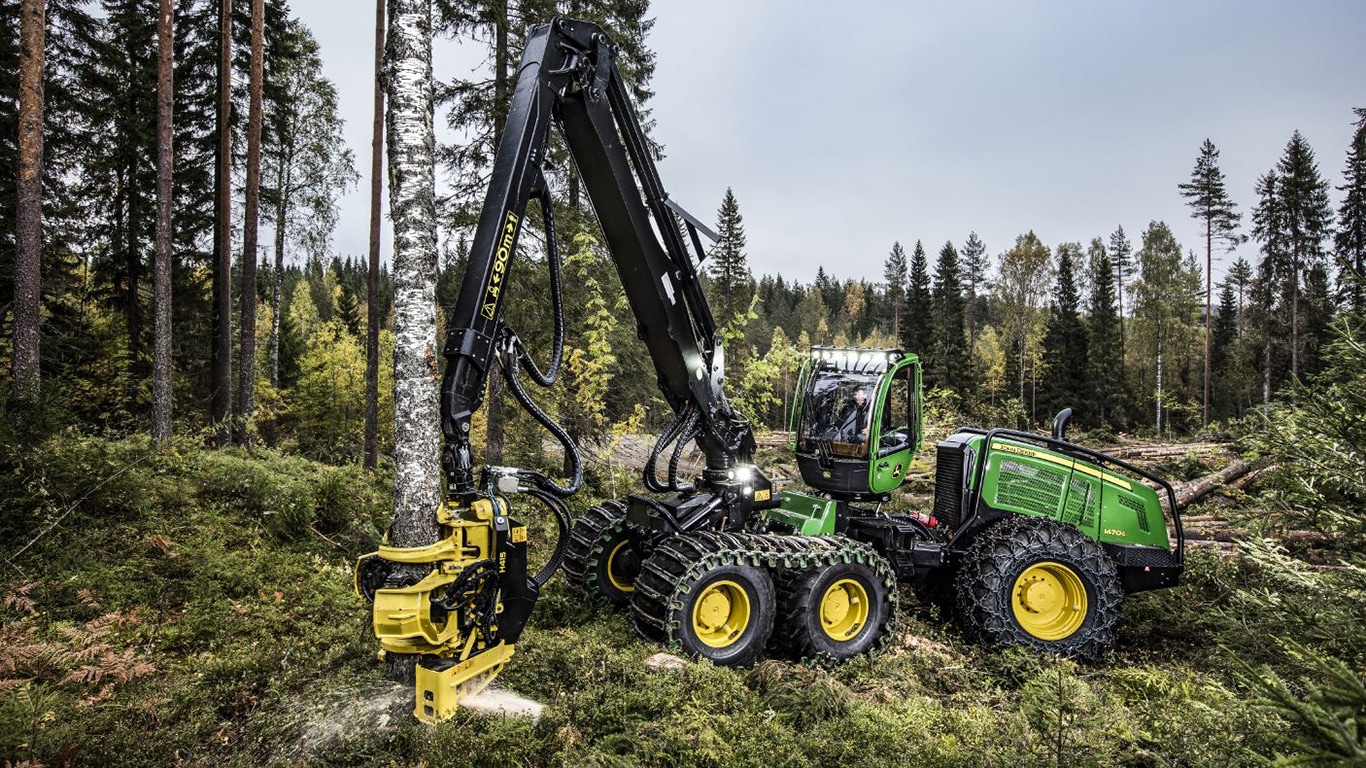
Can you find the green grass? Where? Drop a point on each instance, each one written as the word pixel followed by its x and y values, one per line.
pixel 197 610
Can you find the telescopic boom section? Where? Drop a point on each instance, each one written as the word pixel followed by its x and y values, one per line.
pixel 568 77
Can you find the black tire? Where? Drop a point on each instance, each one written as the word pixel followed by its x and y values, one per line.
pixel 710 621
pixel 599 558
pixel 833 613
pixel 1020 581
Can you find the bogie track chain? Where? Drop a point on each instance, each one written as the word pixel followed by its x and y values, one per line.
pixel 679 561
pixel 586 544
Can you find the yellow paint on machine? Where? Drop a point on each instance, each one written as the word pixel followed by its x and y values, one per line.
pixel 1052 458
pixel 494 290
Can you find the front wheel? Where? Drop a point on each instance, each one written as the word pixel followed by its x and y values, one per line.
pixel 726 614
pixel 1040 583
pixel 600 558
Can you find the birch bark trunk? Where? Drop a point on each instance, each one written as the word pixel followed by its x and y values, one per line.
pixel 412 208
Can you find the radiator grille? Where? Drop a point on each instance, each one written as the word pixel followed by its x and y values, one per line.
pixel 1029 488
pixel 1080 509
pixel 948 484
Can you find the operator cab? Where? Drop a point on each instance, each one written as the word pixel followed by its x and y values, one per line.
pixel 857 421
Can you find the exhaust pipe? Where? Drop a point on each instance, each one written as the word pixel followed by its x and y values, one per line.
pixel 1060 424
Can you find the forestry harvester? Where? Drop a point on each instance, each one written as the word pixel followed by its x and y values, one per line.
pixel 1032 539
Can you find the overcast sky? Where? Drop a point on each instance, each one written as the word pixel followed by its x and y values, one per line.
pixel 843 127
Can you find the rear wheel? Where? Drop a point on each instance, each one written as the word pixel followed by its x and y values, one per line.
pixel 1040 583
pixel 835 612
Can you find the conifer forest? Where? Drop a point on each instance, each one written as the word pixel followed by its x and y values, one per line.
pixel 210 408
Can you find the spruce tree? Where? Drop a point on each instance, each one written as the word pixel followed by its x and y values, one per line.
pixel 1351 232
pixel 1064 342
pixel 894 275
pixel 1240 278
pixel 731 279
pixel 1308 219
pixel 1223 338
pixel 949 364
pixel 975 264
pixel 1121 255
pixel 1209 203
pixel 1269 311
pixel 917 332
pixel 1105 353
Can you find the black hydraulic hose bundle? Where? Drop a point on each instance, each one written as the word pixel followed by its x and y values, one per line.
pixel 556 301
pixel 517 355
pixel 690 433
pixel 570 449
pixel 561 542
pixel 673 432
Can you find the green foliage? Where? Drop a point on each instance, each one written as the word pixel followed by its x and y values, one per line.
pixel 1328 706
pixel 1320 447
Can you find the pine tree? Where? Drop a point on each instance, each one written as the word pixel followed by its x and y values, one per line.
pixel 246 366
pixel 29 208
pixel 221 386
pixel 731 278
pixel 1209 202
pixel 1351 232
pixel 1105 353
pixel 1308 218
pixel 894 276
pixel 161 365
pixel 1064 342
pixel 1121 255
pixel 917 332
pixel 373 320
pixel 949 359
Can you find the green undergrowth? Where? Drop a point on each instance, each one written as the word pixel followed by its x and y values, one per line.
pixel 193 607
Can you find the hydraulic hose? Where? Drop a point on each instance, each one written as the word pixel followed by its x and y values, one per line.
pixel 570 449
pixel 561 543
pixel 688 434
pixel 671 433
pixel 556 302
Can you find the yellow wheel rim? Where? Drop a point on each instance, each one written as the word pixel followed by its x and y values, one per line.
pixel 1049 601
pixel 622 583
pixel 844 609
pixel 720 614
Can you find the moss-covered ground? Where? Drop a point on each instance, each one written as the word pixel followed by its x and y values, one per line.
pixel 193 607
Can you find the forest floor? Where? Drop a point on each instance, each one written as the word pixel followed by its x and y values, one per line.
pixel 193 607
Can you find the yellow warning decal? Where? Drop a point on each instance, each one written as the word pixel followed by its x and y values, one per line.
pixel 494 289
pixel 763 494
pixel 517 535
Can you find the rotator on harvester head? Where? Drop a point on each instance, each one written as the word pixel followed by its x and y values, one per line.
pixel 1032 540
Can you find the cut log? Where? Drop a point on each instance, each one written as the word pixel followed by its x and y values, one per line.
pixel 1194 490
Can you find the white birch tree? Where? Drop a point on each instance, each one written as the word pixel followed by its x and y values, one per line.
pixel 412 207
